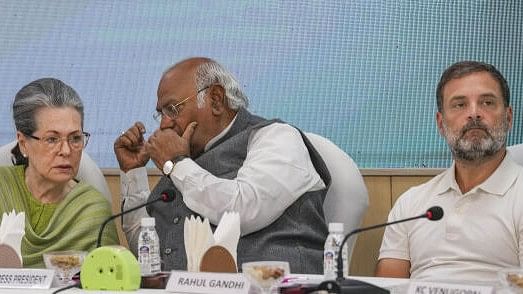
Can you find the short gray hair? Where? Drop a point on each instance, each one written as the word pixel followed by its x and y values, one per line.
pixel 45 92
pixel 212 73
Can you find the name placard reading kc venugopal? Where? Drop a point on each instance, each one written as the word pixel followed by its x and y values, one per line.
pixel 420 287
pixel 15 278
pixel 187 282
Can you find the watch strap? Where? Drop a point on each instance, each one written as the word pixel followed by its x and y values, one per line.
pixel 179 158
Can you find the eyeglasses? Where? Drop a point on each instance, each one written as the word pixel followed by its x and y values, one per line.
pixel 172 111
pixel 76 141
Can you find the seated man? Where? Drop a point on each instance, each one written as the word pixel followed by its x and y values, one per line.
pixel 481 194
pixel 222 158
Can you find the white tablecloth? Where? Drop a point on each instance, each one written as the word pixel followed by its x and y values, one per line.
pixel 396 286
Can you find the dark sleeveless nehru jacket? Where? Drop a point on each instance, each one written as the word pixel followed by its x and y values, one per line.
pixel 297 236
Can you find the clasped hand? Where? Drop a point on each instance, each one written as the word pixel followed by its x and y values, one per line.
pixel 133 151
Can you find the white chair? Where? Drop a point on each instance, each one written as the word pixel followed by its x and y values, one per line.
pixel 89 172
pixel 347 199
pixel 516 151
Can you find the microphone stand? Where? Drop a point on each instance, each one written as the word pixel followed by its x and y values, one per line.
pixel 349 286
pixel 356 231
pixel 166 196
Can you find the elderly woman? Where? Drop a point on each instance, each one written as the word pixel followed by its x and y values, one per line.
pixel 61 212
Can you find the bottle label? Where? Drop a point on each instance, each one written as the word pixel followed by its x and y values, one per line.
pixel 149 254
pixel 329 264
pixel 330 257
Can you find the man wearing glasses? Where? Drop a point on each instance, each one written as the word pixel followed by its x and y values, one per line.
pixel 219 157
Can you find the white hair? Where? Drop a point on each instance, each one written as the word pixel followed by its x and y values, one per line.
pixel 212 73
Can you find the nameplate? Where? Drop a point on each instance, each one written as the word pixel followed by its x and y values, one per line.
pixel 429 288
pixel 204 282
pixel 26 278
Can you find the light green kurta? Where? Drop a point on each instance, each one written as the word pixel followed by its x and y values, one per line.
pixel 73 225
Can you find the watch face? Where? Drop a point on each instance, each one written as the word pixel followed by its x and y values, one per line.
pixel 168 167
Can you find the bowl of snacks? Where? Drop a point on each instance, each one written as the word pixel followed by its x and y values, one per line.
pixel 65 265
pixel 512 278
pixel 266 275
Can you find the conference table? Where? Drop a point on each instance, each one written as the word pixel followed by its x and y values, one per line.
pixel 395 286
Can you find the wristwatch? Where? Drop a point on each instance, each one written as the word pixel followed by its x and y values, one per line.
pixel 168 166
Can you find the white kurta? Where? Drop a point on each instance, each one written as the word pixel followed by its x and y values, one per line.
pixel 276 172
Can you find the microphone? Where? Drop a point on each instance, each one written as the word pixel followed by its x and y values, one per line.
pixel 166 196
pixel 434 213
pixel 115 267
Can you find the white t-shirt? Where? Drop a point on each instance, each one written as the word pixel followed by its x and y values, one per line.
pixel 276 172
pixel 478 235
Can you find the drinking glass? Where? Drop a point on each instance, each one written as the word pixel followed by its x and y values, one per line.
pixel 65 264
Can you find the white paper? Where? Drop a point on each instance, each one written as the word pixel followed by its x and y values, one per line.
pixel 227 234
pixel 199 237
pixel 12 230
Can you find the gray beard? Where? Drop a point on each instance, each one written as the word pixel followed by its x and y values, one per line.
pixel 478 149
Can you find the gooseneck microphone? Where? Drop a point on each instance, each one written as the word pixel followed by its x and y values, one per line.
pixel 434 213
pixel 115 267
pixel 165 196
pixel 343 285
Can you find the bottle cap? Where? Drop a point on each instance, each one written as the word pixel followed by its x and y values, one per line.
pixel 336 227
pixel 148 222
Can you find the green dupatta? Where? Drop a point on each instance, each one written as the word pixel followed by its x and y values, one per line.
pixel 73 226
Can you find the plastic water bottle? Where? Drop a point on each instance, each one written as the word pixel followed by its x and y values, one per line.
pixel 331 250
pixel 148 248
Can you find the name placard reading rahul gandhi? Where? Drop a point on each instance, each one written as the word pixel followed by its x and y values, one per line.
pixel 188 282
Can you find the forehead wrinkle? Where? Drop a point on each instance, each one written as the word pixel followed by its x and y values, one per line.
pixel 484 95
pixel 59 133
pixel 47 117
pixel 490 95
pixel 173 99
pixel 457 97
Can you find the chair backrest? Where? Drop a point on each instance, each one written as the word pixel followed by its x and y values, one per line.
pixel 347 199
pixel 88 172
pixel 516 152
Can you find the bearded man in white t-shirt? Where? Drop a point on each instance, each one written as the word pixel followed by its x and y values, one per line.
pixel 481 193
